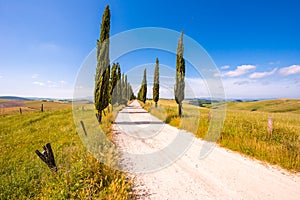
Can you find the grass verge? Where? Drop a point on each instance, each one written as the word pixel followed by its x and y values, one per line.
pixel 80 176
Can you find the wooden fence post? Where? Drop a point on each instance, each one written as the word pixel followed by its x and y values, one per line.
pixel 20 111
pixel 83 127
pixel 47 157
pixel 42 107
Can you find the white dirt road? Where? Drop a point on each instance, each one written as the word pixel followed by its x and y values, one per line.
pixel 222 174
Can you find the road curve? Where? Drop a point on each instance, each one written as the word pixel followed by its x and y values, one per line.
pixel 223 174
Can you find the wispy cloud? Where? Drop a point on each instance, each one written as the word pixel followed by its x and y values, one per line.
pixel 294 69
pixel 39 83
pixel 1 76
pixel 262 74
pixel 225 67
pixel 62 82
pixel 34 76
pixel 274 63
pixel 240 70
pixel 50 84
pixel 241 82
pixel 171 77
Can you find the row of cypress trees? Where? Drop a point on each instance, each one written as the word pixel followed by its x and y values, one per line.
pixel 110 87
pixel 142 94
pixel 179 84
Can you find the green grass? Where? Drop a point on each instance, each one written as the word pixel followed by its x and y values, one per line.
pixel 244 131
pixel 80 176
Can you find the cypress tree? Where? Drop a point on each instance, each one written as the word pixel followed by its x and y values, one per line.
pixel 156 83
pixel 119 87
pixel 180 74
pixel 113 83
pixel 142 95
pixel 131 97
pixel 125 90
pixel 101 93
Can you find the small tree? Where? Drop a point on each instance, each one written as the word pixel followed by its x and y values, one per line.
pixel 180 74
pixel 142 95
pixel 156 83
pixel 101 93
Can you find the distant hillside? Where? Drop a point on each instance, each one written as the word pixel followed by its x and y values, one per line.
pixel 278 105
pixel 14 98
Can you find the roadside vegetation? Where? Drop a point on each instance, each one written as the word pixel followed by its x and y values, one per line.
pixel 244 130
pixel 80 176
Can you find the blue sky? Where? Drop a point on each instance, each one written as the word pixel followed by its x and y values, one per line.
pixel 255 44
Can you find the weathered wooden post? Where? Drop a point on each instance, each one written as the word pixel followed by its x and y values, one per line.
pixel 20 111
pixel 47 157
pixel 83 127
pixel 42 107
pixel 270 126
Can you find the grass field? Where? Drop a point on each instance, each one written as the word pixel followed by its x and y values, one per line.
pixel 244 130
pixel 80 176
pixel 274 106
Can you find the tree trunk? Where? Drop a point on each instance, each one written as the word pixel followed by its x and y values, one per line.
pixel 180 110
pixel 99 116
pixel 155 104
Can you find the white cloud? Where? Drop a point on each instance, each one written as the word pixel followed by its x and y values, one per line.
pixel 39 83
pixel 262 74
pixel 225 67
pixel 34 76
pixel 294 69
pixel 240 70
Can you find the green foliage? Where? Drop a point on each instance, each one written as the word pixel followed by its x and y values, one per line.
pixel 119 87
pixel 80 176
pixel 115 79
pixel 124 87
pixel 156 83
pixel 243 131
pixel 142 94
pixel 101 93
pixel 131 93
pixel 180 74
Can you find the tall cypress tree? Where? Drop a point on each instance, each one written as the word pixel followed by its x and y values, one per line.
pixel 119 86
pixel 101 93
pixel 142 95
pixel 125 91
pixel 113 83
pixel 131 97
pixel 156 83
pixel 180 74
